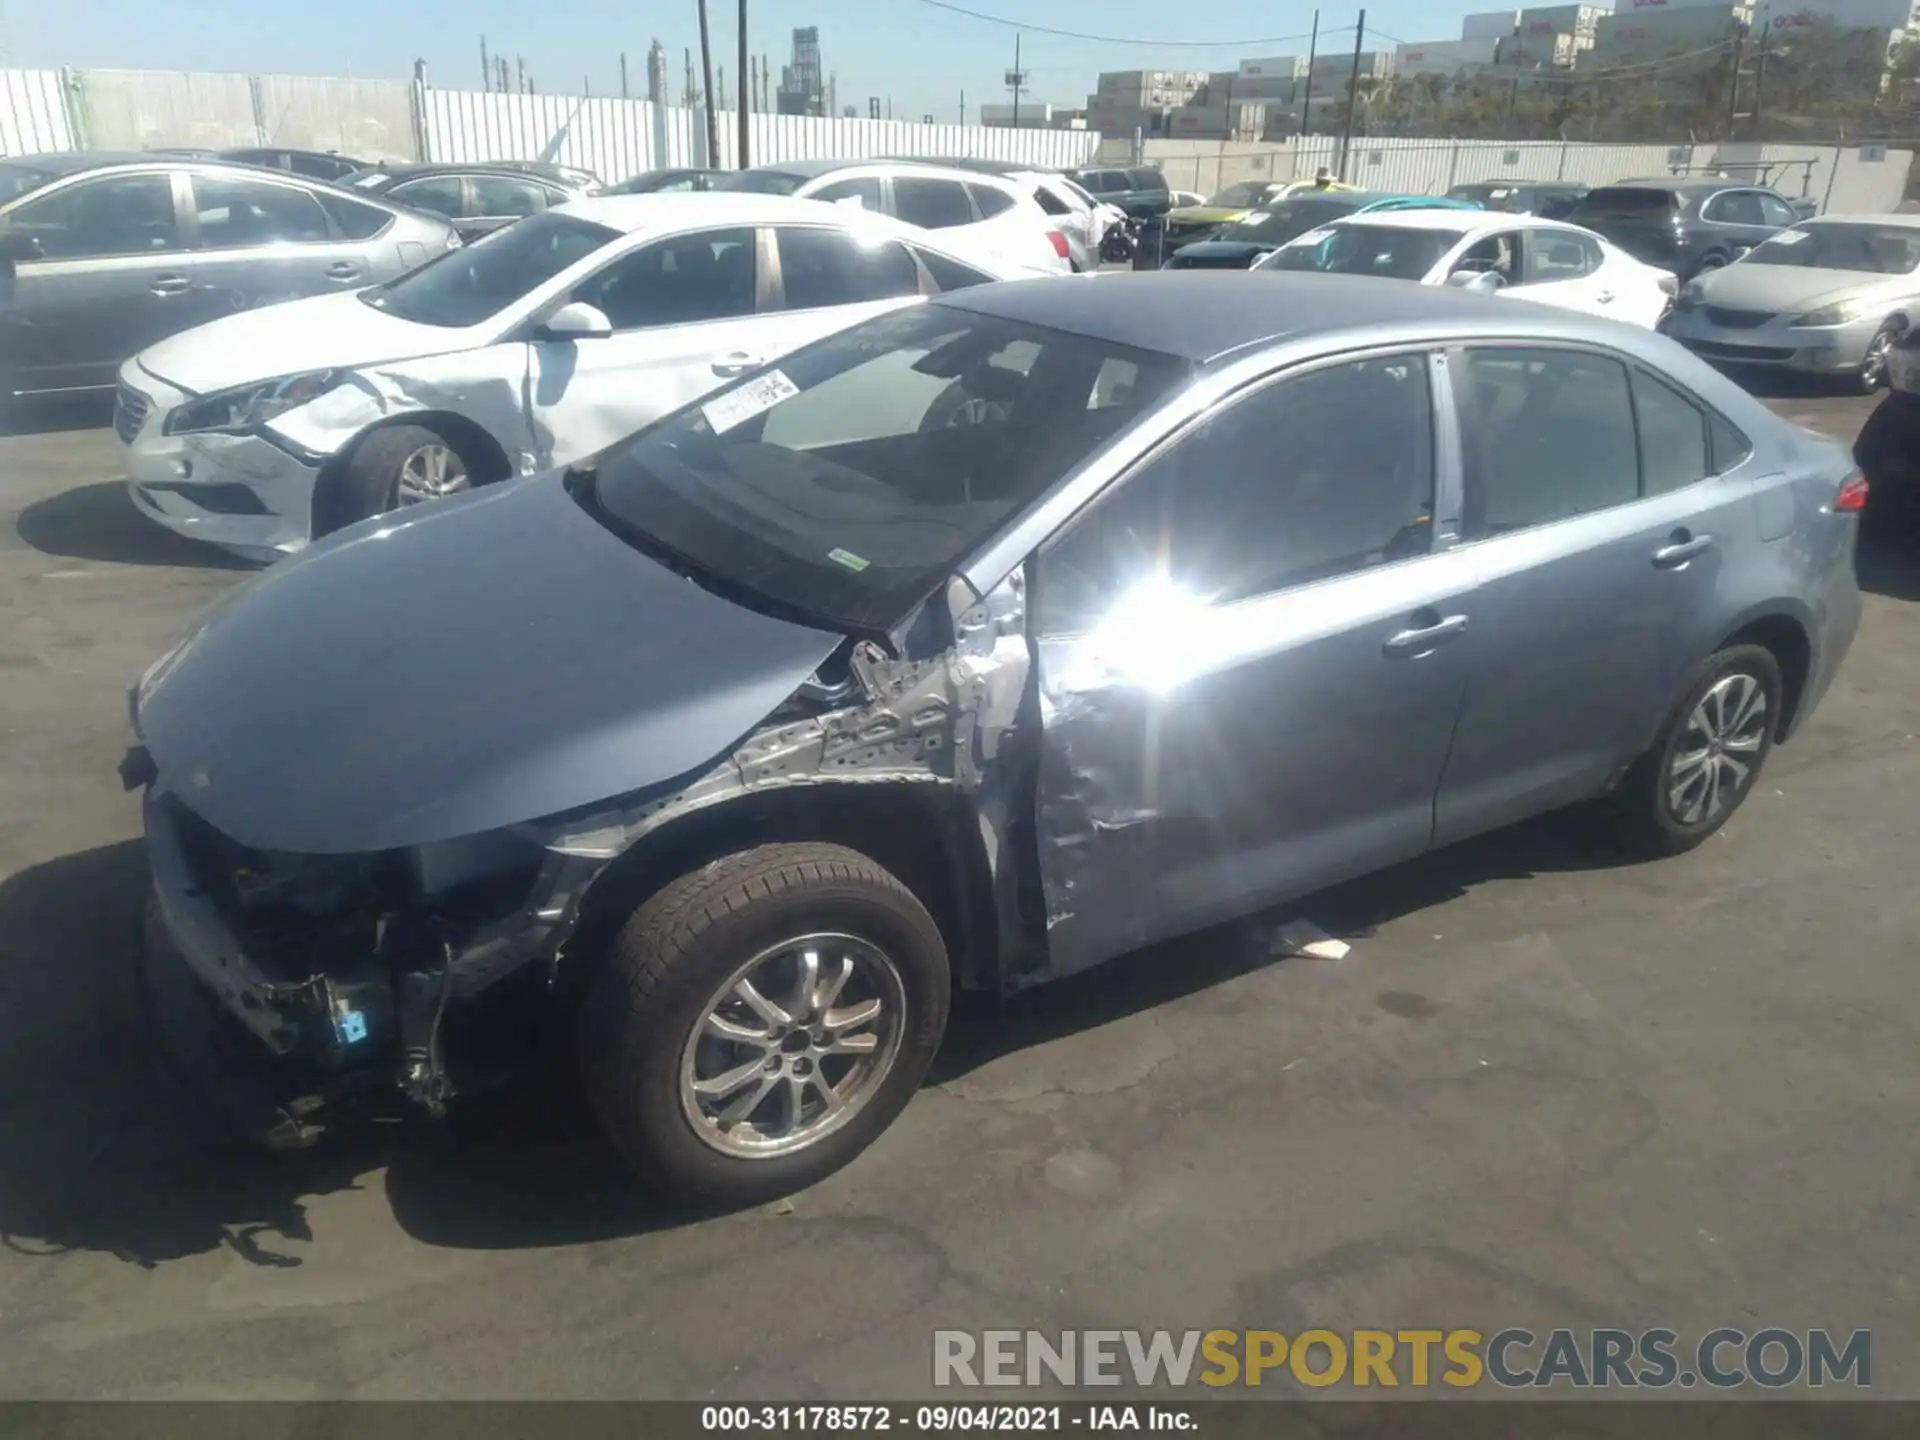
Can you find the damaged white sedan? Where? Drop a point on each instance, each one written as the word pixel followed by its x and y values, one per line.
pixel 544 342
pixel 979 644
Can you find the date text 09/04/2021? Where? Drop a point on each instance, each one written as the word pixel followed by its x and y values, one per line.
pixel 937 1419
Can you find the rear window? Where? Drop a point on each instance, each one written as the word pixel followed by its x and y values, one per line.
pixel 1628 201
pixel 991 202
pixel 763 182
pixel 1147 179
pixel 357 221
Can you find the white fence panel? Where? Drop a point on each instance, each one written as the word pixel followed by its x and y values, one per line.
pixel 367 119
pixel 143 109
pixel 33 113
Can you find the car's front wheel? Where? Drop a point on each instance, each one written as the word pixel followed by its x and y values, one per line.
pixel 761 1020
pixel 1873 368
pixel 1709 753
pixel 393 468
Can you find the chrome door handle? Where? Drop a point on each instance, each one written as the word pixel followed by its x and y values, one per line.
pixel 737 363
pixel 170 285
pixel 341 270
pixel 1673 556
pixel 1421 639
pixel 1605 297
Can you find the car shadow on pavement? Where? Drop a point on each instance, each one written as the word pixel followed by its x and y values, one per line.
pixel 50 417
pixel 1887 559
pixel 102 1151
pixel 99 522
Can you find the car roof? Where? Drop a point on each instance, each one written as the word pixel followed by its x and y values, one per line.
pixel 632 213
pixel 517 168
pixel 69 162
pixel 1900 221
pixel 1203 315
pixel 1688 184
pixel 1442 217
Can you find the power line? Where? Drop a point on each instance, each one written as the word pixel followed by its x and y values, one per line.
pixel 1115 39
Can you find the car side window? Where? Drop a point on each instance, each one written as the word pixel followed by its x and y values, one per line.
pixel 113 215
pixel 1775 211
pixel 236 214
pixel 357 221
pixel 829 267
pixel 1047 201
pixel 1498 254
pixel 681 280
pixel 989 201
pixel 1559 257
pixel 1729 447
pixel 950 274
pixel 1673 436
pixel 440 194
pixel 1548 435
pixel 1737 207
pixel 497 195
pixel 1146 180
pixel 320 167
pixel 865 189
pixel 931 204
pixel 1308 478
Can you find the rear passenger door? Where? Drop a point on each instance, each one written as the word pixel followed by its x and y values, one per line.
pixel 1594 534
pixel 261 241
pixel 1562 268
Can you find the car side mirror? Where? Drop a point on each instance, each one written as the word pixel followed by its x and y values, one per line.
pixel 1480 282
pixel 17 245
pixel 576 320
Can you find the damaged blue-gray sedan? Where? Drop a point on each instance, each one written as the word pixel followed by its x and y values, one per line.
pixel 978 644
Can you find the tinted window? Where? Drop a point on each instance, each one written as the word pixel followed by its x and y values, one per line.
pixel 495 195
pixel 466 286
pixel 1626 203
pixel 439 193
pixel 1729 446
pixel 1360 249
pixel 321 167
pixel 678 281
pixel 113 215
pixel 356 221
pixel 950 274
pixel 237 213
pixel 763 182
pixel 1738 207
pixel 1673 436
pixel 866 190
pixel 828 267
pixel 1283 220
pixel 1774 211
pixel 907 441
pixel 1045 199
pixel 1146 180
pixel 17 180
pixel 1496 254
pixel 1547 435
pixel 1561 257
pixel 931 204
pixel 1304 480
pixel 990 202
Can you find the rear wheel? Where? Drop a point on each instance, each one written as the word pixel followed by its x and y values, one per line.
pixel 1709 754
pixel 761 1020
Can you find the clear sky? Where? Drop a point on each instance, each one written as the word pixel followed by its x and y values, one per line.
pixel 907 50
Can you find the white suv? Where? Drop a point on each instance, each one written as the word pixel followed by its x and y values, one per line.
pixel 983 210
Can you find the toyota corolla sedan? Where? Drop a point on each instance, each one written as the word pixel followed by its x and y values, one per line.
pixel 978 644
pixel 541 343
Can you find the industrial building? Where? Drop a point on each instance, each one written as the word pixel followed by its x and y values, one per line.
pixel 803 88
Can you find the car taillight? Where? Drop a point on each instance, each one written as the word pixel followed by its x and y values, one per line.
pixel 1851 498
pixel 1059 243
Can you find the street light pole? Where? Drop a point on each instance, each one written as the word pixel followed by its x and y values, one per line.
pixel 746 93
pixel 1353 92
pixel 706 75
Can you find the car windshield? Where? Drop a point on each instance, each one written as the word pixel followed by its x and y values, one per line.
pixel 466 286
pixel 1836 245
pixel 1239 197
pixel 762 182
pixel 1628 202
pixel 1390 251
pixel 17 180
pixel 1281 221
pixel 846 484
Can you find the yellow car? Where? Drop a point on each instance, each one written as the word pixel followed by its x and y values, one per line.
pixel 1235 203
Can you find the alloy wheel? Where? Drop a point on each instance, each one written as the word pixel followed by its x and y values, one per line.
pixel 1873 369
pixel 430 473
pixel 1719 749
pixel 792 1046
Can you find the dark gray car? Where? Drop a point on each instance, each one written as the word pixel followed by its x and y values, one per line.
pixel 103 255
pixel 1139 190
pixel 1687 226
pixel 478 199
pixel 979 643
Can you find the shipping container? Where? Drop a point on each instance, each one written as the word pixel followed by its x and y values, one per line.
pixel 1489 25
pixel 1648 32
pixel 1444 57
pixel 1288 65
pixel 1560 20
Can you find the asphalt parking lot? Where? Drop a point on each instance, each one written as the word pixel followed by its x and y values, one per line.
pixel 1544 1089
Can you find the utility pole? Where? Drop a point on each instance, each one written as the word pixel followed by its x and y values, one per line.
pixel 1016 79
pixel 963 107
pixel 720 93
pixel 1353 92
pixel 1513 88
pixel 686 91
pixel 500 64
pixel 1733 80
pixel 1313 47
pixel 520 73
pixel 766 83
pixel 1760 79
pixel 706 76
pixel 746 92
pixel 486 66
pixel 623 75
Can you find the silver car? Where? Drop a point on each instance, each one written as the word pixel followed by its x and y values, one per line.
pixel 104 255
pixel 978 643
pixel 1820 297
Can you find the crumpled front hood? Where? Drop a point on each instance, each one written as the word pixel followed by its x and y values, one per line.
pixel 1784 289
pixel 326 332
pixel 477 663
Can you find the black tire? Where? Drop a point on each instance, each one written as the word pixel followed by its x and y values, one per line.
pixel 1873 372
pixel 370 483
pixel 1650 820
pixel 1709 264
pixel 666 969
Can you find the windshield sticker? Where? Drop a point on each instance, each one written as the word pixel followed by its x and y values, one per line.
pixel 847 558
pixel 368 181
pixel 736 407
pixel 1789 237
pixel 1313 237
pixel 1258 217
